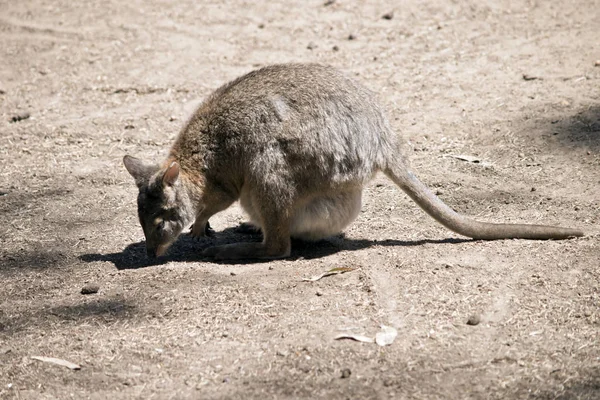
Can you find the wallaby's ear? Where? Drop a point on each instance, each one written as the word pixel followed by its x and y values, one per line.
pixel 171 174
pixel 140 170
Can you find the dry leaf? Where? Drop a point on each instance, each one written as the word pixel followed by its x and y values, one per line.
pixel 471 159
pixel 333 271
pixel 386 336
pixel 358 338
pixel 57 361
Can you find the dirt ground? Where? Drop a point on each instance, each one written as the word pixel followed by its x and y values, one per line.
pixel 513 83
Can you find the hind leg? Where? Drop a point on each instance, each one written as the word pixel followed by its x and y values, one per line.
pixel 274 221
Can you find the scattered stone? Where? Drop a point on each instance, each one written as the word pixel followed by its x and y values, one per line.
pixel 129 126
pixel 346 373
pixel 232 274
pixel 388 16
pixel 335 48
pixel 533 189
pixel 351 36
pixel 527 77
pixel 90 289
pixel 597 63
pixel 20 117
pixel 329 2
pixel 388 382
pixel 311 46
pixel 474 320
pixel 172 118
pixel 261 26
pixel 319 294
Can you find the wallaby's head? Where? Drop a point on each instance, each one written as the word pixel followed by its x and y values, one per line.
pixel 163 204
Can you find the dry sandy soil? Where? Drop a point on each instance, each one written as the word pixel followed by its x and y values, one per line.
pixel 513 83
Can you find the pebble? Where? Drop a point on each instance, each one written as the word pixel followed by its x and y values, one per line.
pixel 388 16
pixel 346 373
pixel 20 117
pixel 90 289
pixel 474 320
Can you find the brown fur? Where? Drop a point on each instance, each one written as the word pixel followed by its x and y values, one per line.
pixel 295 144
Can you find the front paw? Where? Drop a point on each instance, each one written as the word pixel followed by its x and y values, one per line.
pixel 201 230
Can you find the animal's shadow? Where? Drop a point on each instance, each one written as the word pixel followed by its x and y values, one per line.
pixel 187 249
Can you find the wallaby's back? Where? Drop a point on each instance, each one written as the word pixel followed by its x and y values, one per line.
pixel 307 123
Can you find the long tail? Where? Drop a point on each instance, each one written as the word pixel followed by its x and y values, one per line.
pixel 464 225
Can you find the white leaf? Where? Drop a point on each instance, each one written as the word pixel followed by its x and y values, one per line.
pixel 358 338
pixel 57 361
pixel 470 159
pixel 386 336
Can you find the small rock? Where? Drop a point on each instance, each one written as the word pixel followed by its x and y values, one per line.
pixel 335 48
pixel 319 294
pixel 281 353
pixel 533 189
pixel 90 289
pixel 597 63
pixel 474 320
pixel 346 373
pixel 311 46
pixel 232 274
pixel 527 77
pixel 129 126
pixel 304 368
pixel 388 382
pixel 388 16
pixel 20 117
pixel 329 2
pixel 351 36
pixel 226 380
pixel 172 118
pixel 261 26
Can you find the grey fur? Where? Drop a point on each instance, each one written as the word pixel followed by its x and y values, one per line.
pixel 295 144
